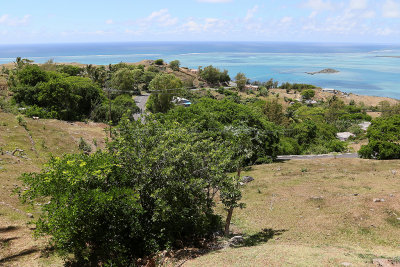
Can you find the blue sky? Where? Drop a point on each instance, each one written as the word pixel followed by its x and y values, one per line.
pixel 49 21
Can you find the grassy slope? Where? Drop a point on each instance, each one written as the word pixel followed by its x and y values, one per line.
pixel 17 247
pixel 339 227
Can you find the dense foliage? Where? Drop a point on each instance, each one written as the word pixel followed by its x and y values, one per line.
pixel 313 129
pixel 55 95
pixel 212 117
pixel 384 137
pixel 162 88
pixel 121 105
pixel 70 92
pixel 154 188
pixel 175 64
pixel 214 76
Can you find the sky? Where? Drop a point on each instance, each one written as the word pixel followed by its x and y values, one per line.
pixel 62 21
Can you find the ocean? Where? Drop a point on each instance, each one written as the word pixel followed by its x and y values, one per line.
pixel 363 69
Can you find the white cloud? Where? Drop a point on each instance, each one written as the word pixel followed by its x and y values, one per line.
pixel 286 20
pixel 192 26
pixel 313 14
pixel 358 4
pixel 385 31
pixel 163 17
pixel 214 1
pixel 251 12
pixel 109 21
pixel 10 21
pixel 370 14
pixel 391 9
pixel 319 5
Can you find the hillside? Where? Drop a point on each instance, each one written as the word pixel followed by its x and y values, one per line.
pixel 41 139
pixel 319 212
pixel 316 213
pixel 299 212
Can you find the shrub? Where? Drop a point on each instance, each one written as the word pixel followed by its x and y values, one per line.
pixel 21 121
pixel 159 62
pixel 175 65
pixel 84 146
pixel 150 191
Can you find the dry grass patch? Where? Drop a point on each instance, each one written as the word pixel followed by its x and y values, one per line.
pixel 328 213
pixel 50 137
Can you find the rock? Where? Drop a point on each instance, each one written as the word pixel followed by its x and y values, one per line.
pixel 346 264
pixel 365 125
pixel 391 195
pixel 247 179
pixel 317 198
pixel 379 200
pixel 393 172
pixel 344 136
pixel 236 240
pixel 30 215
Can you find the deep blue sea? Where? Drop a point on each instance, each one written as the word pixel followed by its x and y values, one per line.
pixel 364 69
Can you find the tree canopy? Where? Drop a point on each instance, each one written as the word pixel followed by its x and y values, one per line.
pixel 163 86
pixel 384 137
pixel 214 76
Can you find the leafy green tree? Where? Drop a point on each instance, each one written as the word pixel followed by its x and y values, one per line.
pixel 98 75
pixel 241 80
pixel 147 77
pixel 70 70
pixel 211 116
pixel 384 137
pixel 127 80
pixel 274 112
pixel 153 188
pixel 120 106
pixel 175 64
pixel 163 86
pixel 214 76
pixel 242 146
pixel 308 94
pixel 67 98
pixel 30 75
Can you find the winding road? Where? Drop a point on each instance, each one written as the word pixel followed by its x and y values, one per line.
pixel 141 101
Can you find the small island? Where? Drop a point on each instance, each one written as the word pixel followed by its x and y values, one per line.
pixel 329 71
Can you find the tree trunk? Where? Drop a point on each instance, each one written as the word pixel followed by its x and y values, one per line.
pixel 230 211
pixel 228 221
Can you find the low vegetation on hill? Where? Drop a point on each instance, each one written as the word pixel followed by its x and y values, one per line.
pixel 174 178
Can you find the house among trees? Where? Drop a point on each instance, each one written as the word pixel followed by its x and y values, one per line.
pixel 329 90
pixel 181 101
pixel 194 71
pixel 251 87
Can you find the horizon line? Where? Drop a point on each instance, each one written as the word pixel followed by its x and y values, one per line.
pixel 243 42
